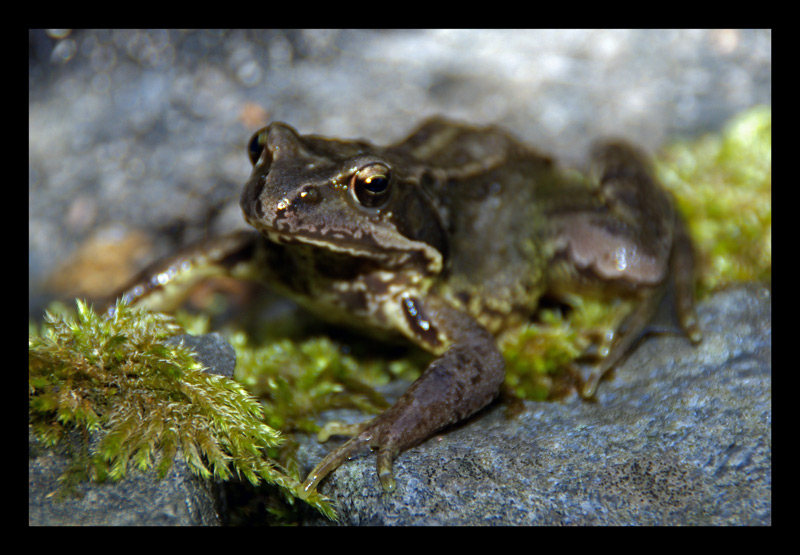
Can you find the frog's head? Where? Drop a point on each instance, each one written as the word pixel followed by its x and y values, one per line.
pixel 344 196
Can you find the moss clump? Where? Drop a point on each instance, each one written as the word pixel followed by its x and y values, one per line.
pixel 148 400
pixel 723 183
pixel 539 354
pixel 299 380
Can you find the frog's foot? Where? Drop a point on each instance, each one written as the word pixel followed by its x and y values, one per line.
pixel 462 381
pixel 332 461
pixel 334 428
pixel 629 332
pixel 373 435
pixel 633 328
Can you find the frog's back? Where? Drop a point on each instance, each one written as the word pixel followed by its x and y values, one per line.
pixel 487 185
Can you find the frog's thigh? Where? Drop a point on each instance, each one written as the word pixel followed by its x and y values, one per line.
pixel 626 242
pixel 657 243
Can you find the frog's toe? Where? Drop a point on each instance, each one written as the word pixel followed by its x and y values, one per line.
pixel 385 474
pixel 691 326
pixel 589 387
pixel 332 461
pixel 371 437
pixel 338 429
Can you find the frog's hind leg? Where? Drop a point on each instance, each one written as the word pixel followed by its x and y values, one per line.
pixel 678 290
pixel 645 211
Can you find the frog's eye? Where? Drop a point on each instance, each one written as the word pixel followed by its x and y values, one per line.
pixel 371 186
pixel 256 145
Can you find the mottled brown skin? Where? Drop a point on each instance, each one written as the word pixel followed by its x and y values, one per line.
pixel 447 238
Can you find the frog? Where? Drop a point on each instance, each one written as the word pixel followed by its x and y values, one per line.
pixel 445 239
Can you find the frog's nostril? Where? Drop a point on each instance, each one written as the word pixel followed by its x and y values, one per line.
pixel 309 195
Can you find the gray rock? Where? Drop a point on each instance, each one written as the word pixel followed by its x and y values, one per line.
pixel 180 499
pixel 680 435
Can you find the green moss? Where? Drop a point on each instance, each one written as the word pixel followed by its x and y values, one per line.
pixel 539 354
pixel 148 400
pixel 723 183
pixel 299 380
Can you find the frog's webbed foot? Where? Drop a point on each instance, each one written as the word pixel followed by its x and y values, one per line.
pixel 462 381
pixel 683 274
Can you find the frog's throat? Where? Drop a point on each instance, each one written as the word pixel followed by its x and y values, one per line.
pixel 395 256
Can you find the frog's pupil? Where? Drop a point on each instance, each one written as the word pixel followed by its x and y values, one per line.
pixel 376 184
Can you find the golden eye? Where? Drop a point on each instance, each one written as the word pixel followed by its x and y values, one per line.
pixel 371 186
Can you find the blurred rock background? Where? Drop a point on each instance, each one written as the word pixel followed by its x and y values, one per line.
pixel 137 138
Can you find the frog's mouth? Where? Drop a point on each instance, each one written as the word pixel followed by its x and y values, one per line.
pixel 336 242
pixel 365 246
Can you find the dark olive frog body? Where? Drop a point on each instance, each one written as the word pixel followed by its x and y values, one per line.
pixel 447 238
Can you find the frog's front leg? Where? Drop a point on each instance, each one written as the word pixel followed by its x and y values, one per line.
pixel 463 380
pixel 165 284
